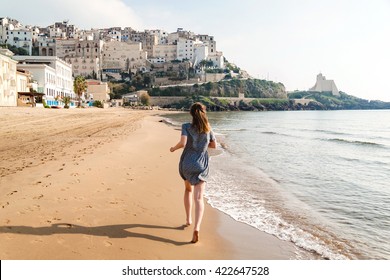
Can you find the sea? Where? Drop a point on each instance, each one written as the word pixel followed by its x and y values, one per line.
pixel 318 179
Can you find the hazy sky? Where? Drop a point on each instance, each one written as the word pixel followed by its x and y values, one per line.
pixel 285 41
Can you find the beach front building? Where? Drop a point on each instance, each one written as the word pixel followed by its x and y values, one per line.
pixel 8 91
pixel 324 85
pixel 53 75
pixel 27 89
pixel 44 75
pixel 98 90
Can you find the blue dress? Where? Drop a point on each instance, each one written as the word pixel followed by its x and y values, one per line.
pixel 194 161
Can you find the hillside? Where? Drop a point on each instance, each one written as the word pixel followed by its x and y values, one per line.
pixel 269 96
pixel 252 88
pixel 327 101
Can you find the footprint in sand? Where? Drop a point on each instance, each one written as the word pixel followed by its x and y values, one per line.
pixel 38 197
pixel 5 205
pixel 11 193
pixel 38 240
pixel 107 243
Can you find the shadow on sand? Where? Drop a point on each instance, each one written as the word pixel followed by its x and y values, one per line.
pixel 111 231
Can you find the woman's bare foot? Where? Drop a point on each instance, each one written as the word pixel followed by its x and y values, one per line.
pixel 195 237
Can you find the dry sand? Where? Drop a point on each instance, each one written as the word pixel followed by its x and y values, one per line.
pixel 101 184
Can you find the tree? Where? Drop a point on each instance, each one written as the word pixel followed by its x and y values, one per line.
pixel 79 87
pixel 145 99
pixel 15 50
pixel 66 100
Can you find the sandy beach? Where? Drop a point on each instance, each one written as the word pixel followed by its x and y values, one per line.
pixel 101 184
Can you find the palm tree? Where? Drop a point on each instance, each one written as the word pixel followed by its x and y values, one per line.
pixel 79 87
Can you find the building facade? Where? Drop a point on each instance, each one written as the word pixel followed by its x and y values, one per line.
pixel 185 49
pixel 8 90
pixel 123 56
pixel 85 56
pixel 15 34
pixel 98 90
pixel 168 52
pixel 54 76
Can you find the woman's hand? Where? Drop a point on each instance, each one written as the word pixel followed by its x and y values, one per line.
pixel 181 144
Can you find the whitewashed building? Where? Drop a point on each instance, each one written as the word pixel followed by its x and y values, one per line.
pixel 201 52
pixel 15 34
pixel 185 49
pixel 8 91
pixel 54 76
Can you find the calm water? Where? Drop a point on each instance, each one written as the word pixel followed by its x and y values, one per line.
pixel 320 179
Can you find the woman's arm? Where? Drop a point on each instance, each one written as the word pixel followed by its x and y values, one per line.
pixel 213 141
pixel 181 144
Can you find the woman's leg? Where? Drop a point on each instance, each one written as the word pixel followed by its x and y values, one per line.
pixel 199 204
pixel 188 201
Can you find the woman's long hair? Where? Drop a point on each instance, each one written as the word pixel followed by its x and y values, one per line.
pixel 199 117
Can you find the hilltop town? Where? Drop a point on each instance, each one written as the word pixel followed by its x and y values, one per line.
pixel 40 64
pixel 111 54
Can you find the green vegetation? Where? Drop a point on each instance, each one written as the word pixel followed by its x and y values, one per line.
pixel 15 50
pixel 79 87
pixel 44 104
pixel 138 81
pixel 327 101
pixel 98 104
pixel 145 99
pixel 66 100
pixel 252 88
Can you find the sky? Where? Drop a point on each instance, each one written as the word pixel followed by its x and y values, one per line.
pixel 284 41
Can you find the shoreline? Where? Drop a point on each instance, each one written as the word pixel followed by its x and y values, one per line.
pixel 93 184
